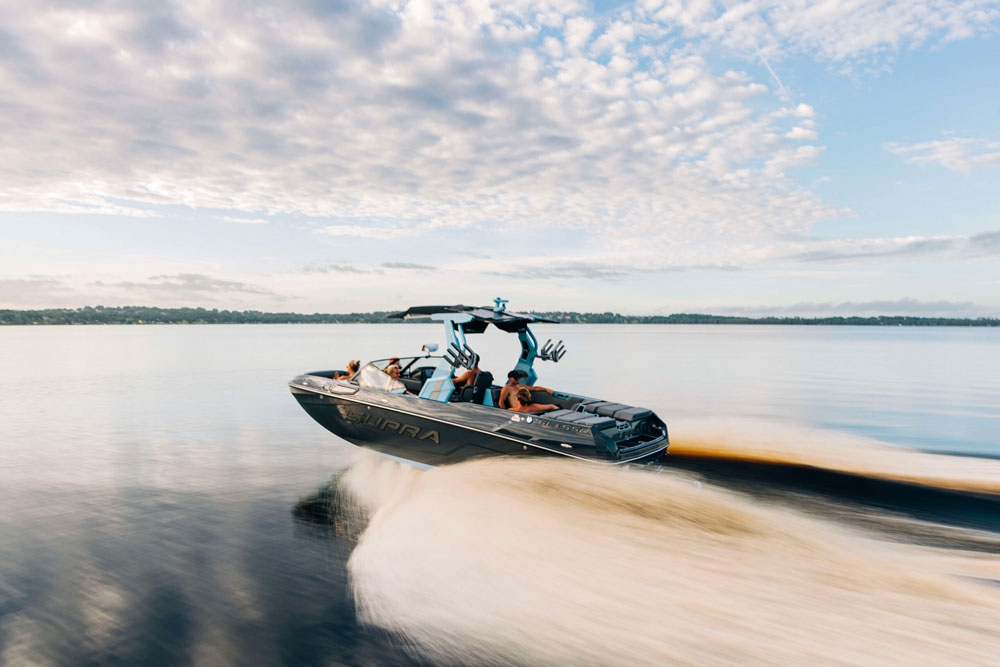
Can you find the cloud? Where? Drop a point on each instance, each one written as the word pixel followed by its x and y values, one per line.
pixel 28 292
pixel 987 243
pixel 189 285
pixel 408 266
pixel 361 231
pixel 854 249
pixel 334 268
pixel 385 121
pixel 904 306
pixel 835 32
pixel 380 270
pixel 799 132
pixel 959 154
pixel 570 270
pixel 246 221
pixel 850 250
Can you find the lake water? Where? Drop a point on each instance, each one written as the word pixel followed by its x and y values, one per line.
pixel 832 497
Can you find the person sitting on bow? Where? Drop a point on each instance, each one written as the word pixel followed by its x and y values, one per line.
pixel 523 402
pixel 352 367
pixel 509 390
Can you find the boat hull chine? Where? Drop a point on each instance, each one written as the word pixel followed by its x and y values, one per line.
pixel 403 435
pixel 433 434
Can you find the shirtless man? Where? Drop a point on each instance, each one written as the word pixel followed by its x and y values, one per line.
pixel 467 378
pixel 509 390
pixel 523 403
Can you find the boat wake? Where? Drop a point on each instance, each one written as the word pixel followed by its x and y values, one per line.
pixel 767 442
pixel 507 561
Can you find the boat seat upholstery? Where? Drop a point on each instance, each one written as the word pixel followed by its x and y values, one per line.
pixel 412 384
pixel 594 420
pixel 632 414
pixel 476 392
pixel 483 382
pixel 545 397
pixel 567 415
pixel 626 413
pixel 604 408
pixel 579 418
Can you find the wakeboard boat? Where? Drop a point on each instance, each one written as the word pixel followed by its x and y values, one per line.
pixel 421 418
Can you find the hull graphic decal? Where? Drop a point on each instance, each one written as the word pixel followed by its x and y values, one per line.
pixel 381 424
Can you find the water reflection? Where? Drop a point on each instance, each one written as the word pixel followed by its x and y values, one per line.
pixel 332 513
pixel 154 577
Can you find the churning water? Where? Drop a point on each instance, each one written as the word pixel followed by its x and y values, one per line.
pixel 538 562
pixel 833 497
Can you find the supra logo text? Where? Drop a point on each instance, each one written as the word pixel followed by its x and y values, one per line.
pixel 378 423
pixel 544 423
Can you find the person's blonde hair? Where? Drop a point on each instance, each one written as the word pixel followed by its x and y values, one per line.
pixel 524 396
pixel 390 368
pixel 353 365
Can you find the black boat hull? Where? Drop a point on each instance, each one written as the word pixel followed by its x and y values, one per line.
pixel 433 434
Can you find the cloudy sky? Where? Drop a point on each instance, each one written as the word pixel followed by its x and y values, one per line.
pixel 803 157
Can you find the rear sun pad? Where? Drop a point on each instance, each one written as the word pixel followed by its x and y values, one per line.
pixel 600 422
pixel 575 417
pixel 567 415
pixel 580 418
pixel 619 411
pixel 632 414
pixel 608 409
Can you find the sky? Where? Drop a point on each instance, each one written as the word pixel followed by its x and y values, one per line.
pixel 734 157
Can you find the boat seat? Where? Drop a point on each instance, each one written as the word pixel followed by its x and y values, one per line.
pixel 605 408
pixel 483 382
pixel 412 384
pixel 573 416
pixel 559 414
pixel 579 418
pixel 623 413
pixel 632 414
pixel 595 420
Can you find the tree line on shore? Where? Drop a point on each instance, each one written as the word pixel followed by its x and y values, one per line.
pixel 152 315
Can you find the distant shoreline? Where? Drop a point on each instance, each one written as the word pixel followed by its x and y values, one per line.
pixel 141 315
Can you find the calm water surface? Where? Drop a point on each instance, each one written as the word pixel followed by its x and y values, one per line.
pixel 149 478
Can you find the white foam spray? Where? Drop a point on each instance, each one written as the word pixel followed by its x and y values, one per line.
pixel 768 441
pixel 518 562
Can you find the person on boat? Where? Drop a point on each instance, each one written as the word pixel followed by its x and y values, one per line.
pixel 509 390
pixel 352 367
pixel 392 370
pixel 468 378
pixel 393 361
pixel 522 400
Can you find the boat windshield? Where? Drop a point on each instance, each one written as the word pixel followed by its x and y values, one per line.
pixel 371 377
